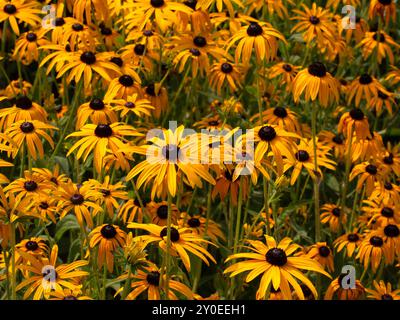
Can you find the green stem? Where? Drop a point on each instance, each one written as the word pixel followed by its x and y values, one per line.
pixel 238 216
pixel 13 273
pixel 168 253
pixel 316 180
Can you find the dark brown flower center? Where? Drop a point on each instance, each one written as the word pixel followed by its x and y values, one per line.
pixel 302 155
pixel 174 234
pixel 371 169
pixel 162 212
pixel 388 186
pixel 148 33
pixel 276 257
pixel 386 297
pixel 106 192
pixel 267 133
pixel 324 251
pixel 31 37
pixel 337 139
pixel 213 123
pixel 387 212
pixel 157 3
pixel 353 237
pixel 77 27
pixel 10 9
pixel 139 49
pixel 314 20
pixel 200 41
pixel 365 79
pixel 356 114
pixel 59 22
pixel 194 223
pixel 70 298
pixel 153 278
pixel 280 112
pixel 96 104
pixel 287 67
pixel 171 152
pixel 317 69
pixel 336 212
pixel 391 230
pixel 254 29
pixel 376 241
pixel 126 80
pixel 43 205
pixel 105 31
pixel 27 127
pixel 108 231
pixel 385 2
pixel 23 103
pixel 117 60
pixel 103 131
pixel 191 3
pixel 129 105
pixel 388 159
pixel 379 36
pixel 228 175
pixel 31 245
pixel 77 199
pixel 226 68
pixel 88 57
pixel 151 90
pixel 30 185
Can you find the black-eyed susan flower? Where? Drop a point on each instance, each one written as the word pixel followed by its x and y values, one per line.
pixel 285 72
pixel 202 227
pixel 17 11
pixel 83 64
pixel 152 280
pixel 46 207
pixel 161 12
pixel 26 47
pixel 131 210
pixel 316 83
pixel 378 44
pixel 225 74
pixel 47 275
pixel 54 176
pixel 372 251
pixel 76 34
pixel 349 241
pixel 338 289
pixel 132 105
pixel 315 23
pixel 365 87
pixel 99 138
pixel 111 193
pixel 78 200
pixel 108 238
pixel 272 138
pixel 366 149
pixel 354 122
pixel 304 158
pixel 277 265
pixel 261 37
pixel 97 111
pixel 386 192
pixel 323 254
pixel 158 97
pixel 159 213
pixel 234 21
pixel 226 185
pixel 368 174
pixel 383 291
pixel 23 109
pixel 385 9
pixel 382 102
pixel 183 240
pixel 122 87
pixel 382 213
pixel 168 157
pixel 393 76
pixel 282 116
pixel 334 141
pixel 333 216
pixel 31 185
